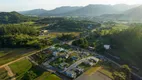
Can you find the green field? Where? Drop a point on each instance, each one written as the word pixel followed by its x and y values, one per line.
pixel 48 76
pixel 10 54
pixel 20 67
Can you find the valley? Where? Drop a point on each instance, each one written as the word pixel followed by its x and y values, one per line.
pixel 93 42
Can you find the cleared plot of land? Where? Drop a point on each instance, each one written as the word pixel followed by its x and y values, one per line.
pixel 20 67
pixel 10 54
pixel 106 72
pixel 55 34
pixel 95 76
pixel 48 76
pixel 92 70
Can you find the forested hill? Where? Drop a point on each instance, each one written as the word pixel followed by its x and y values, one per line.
pixel 13 17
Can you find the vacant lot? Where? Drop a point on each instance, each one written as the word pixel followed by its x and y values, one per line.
pixel 95 76
pixel 10 54
pixel 48 76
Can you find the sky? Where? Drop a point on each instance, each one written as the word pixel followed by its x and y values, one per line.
pixel 20 5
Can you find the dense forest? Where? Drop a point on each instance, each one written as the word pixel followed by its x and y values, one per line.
pixel 21 36
pixel 14 17
pixel 126 44
pixel 73 25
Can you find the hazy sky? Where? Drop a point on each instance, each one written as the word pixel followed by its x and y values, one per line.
pixel 20 5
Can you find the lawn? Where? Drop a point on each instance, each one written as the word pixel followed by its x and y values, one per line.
pixel 10 54
pixel 92 70
pixel 106 72
pixel 21 67
pixel 48 76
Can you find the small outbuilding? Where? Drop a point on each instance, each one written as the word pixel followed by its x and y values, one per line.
pixel 107 47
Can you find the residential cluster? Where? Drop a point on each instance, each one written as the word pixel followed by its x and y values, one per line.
pixel 70 62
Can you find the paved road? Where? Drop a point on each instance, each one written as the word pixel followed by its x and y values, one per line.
pixel 107 59
pixel 2 66
pixel 78 62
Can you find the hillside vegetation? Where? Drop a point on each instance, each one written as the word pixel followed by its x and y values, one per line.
pixel 127 45
pixel 14 17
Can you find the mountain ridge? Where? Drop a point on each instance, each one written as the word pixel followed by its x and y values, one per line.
pixel 89 10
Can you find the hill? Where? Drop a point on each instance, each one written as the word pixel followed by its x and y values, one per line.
pixel 127 46
pixel 89 10
pixel 59 10
pixel 56 11
pixel 93 10
pixel 133 14
pixel 34 12
pixel 11 17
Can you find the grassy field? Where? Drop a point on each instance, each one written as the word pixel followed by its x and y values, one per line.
pixel 10 54
pixel 92 70
pixel 20 67
pixel 55 34
pixel 106 72
pixel 48 76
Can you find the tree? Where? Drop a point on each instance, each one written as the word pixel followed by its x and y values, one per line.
pixel 81 43
pixel 30 75
pixel 118 75
pixel 127 71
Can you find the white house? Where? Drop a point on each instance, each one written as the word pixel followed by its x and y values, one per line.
pixel 61 49
pixel 107 47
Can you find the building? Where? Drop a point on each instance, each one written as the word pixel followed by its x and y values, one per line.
pixel 70 74
pixel 42 32
pixel 55 53
pixel 52 47
pixel 61 49
pixel 79 70
pixel 63 65
pixel 107 47
pixel 74 58
pixel 88 63
pixel 65 56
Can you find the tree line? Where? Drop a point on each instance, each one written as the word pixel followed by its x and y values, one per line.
pixel 21 36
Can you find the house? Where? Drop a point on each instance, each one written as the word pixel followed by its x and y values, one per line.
pixel 70 74
pixel 86 53
pixel 107 47
pixel 91 61
pixel 55 53
pixel 63 65
pixel 61 49
pixel 91 48
pixel 65 56
pixel 79 70
pixel 52 47
pixel 96 59
pixel 42 32
pixel 74 58
pixel 88 63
